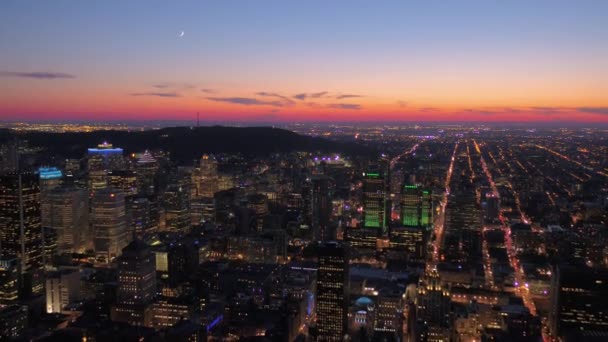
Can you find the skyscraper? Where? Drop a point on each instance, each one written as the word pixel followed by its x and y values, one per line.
pixel 579 298
pixel 208 184
pixel 433 300
pixel 20 228
pixel 101 159
pixel 109 223
pixel 146 168
pixel 66 210
pixel 9 280
pixel 136 284
pixel 332 291
pixel 124 180
pixel 321 207
pixel 416 207
pixel 177 206
pixel 374 201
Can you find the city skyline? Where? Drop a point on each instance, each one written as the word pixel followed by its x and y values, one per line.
pixel 312 62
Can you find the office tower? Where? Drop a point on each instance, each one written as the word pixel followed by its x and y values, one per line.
pixel 208 176
pixel 177 206
pixel 433 300
pixel 146 168
pixel 50 178
pixel 389 313
pixel 416 207
pixel 374 201
pixel 66 210
pixel 332 291
pixel 321 207
pixel 258 204
pixel 136 285
pixel 124 180
pixel 20 228
pixel 408 243
pixel 62 289
pixel 143 221
pixel 109 223
pixel 579 298
pixel 9 280
pixel 111 157
pixel 101 159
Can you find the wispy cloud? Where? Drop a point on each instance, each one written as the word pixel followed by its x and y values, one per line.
pixel 347 96
pixel 402 104
pixel 594 110
pixel 304 96
pixel 157 94
pixel 247 101
pixel 283 98
pixel 42 75
pixel 344 106
pixel 208 91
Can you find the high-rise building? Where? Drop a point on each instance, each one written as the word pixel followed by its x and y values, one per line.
pixel 124 180
pixel 321 207
pixel 20 227
pixel 408 242
pixel 50 178
pixel 146 168
pixel 13 321
pixel 66 210
pixel 62 289
pixel 332 291
pixel 579 298
pixel 136 285
pixel 433 300
pixel 208 184
pixel 177 206
pixel 389 313
pixel 109 223
pixel 9 280
pixel 416 207
pixel 101 159
pixel 111 157
pixel 374 201
pixel 143 221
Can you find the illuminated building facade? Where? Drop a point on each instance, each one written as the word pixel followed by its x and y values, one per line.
pixel 9 280
pixel 374 201
pixel 146 168
pixel 109 223
pixel 416 207
pixel 66 211
pixel 332 291
pixel 136 285
pixel 177 209
pixel 579 298
pixel 20 227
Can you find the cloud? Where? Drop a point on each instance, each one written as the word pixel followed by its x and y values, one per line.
pixel 208 91
pixel 247 101
pixel 161 86
pixel 402 104
pixel 428 109
pixel 344 106
pixel 42 75
pixel 275 95
pixel 158 94
pixel 347 96
pixel 594 110
pixel 303 96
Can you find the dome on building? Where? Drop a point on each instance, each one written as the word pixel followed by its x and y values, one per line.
pixel 364 302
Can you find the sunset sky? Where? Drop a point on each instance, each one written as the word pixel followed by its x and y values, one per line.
pixel 304 60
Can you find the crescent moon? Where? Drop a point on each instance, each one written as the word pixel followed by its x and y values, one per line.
pixel 181 34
